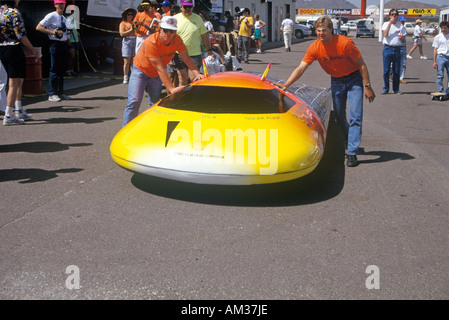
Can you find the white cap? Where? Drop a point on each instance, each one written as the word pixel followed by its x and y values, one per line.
pixel 169 22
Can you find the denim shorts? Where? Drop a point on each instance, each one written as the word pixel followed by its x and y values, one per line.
pixel 128 47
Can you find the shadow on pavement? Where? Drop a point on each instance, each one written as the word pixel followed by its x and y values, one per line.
pixel 69 120
pixel 383 156
pixel 33 175
pixel 324 183
pixel 63 109
pixel 101 98
pixel 39 147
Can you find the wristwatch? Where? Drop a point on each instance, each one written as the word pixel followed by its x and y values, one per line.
pixel 368 85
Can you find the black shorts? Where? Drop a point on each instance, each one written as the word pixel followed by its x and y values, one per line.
pixel 13 60
pixel 179 64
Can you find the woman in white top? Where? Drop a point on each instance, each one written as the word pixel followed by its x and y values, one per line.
pixel 417 39
pixel 258 25
pixel 209 26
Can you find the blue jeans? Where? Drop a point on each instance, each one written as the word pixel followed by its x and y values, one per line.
pixel 391 57
pixel 442 63
pixel 403 53
pixel 58 58
pixel 349 89
pixel 136 89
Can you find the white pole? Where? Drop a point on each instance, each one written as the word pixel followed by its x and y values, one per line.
pixel 381 19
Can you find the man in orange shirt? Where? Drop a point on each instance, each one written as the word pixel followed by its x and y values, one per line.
pixel 166 8
pixel 342 60
pixel 149 67
pixel 143 22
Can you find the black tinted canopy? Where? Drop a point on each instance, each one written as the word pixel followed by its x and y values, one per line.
pixel 215 99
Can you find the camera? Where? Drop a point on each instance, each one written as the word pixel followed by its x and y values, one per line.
pixel 63 28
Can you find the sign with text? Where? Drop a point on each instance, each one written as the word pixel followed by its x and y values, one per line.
pixel 217 6
pixel 110 8
pixel 311 11
pixel 338 11
pixel 422 11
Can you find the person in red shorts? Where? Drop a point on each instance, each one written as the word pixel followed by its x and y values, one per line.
pixel 149 67
pixel 342 60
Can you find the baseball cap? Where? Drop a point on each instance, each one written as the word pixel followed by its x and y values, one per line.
pixel 60 1
pixel 186 2
pixel 418 21
pixel 402 18
pixel 166 3
pixel 169 22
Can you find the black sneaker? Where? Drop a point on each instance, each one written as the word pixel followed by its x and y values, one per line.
pixel 351 161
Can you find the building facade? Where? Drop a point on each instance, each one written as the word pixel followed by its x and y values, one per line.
pixel 96 29
pixel 271 12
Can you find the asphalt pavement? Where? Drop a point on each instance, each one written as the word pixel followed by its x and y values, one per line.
pixel 74 225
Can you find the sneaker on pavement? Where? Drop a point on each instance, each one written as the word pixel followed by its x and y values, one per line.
pixel 351 160
pixel 54 98
pixel 125 79
pixel 398 92
pixel 64 97
pixel 10 121
pixel 409 57
pixel 424 58
pixel 22 114
pixel 70 73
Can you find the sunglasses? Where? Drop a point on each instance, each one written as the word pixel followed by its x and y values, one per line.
pixel 187 7
pixel 394 14
pixel 169 31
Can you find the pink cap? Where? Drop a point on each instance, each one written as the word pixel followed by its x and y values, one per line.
pixel 60 1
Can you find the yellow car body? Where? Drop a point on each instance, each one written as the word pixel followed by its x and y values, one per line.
pixel 230 128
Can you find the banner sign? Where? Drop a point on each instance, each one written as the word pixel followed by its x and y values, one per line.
pixel 217 6
pixel 114 8
pixel 110 8
pixel 422 11
pixel 338 11
pixel 311 11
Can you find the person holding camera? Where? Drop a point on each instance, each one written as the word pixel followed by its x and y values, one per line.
pixel 54 25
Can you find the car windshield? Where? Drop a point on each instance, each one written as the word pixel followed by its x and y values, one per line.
pixel 361 24
pixel 215 99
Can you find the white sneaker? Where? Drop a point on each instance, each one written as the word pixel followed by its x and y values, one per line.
pixel 409 57
pixel 125 79
pixel 54 98
pixel 10 121
pixel 22 114
pixel 64 97
pixel 424 58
